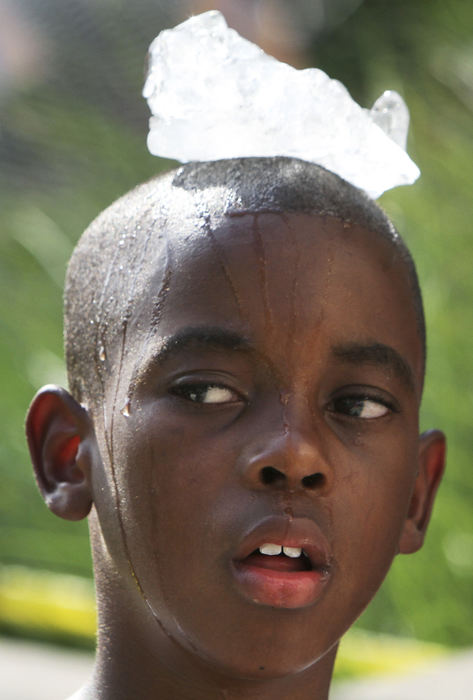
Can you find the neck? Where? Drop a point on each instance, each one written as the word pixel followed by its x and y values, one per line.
pixel 124 675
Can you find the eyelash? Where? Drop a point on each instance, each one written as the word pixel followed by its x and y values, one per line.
pixel 195 391
pixel 357 399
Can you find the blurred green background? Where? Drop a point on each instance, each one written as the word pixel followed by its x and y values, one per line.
pixel 72 138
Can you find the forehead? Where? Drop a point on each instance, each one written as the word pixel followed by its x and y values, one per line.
pixel 276 277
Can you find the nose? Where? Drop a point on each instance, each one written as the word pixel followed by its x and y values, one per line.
pixel 287 457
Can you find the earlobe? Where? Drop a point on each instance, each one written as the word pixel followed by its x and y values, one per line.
pixel 61 440
pixel 432 447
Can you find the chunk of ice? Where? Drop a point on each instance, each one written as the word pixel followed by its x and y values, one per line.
pixel 391 114
pixel 214 95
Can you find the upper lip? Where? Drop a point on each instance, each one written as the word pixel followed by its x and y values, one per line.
pixel 288 532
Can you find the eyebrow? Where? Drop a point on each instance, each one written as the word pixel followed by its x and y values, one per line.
pixel 378 355
pixel 218 338
pixel 213 337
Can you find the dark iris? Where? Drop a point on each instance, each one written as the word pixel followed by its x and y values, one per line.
pixel 351 405
pixel 205 393
pixel 193 392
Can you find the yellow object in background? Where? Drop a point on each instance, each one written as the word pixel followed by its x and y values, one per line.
pixel 62 607
pixel 58 606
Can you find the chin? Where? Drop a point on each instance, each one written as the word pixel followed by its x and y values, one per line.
pixel 265 661
pixel 276 667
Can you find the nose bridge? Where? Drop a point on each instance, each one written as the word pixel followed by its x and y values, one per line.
pixel 289 454
pixel 300 431
pixel 302 450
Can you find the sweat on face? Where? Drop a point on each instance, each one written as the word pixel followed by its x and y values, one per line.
pixel 246 347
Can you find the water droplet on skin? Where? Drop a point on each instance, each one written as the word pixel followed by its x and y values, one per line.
pixel 284 398
pixel 121 243
pixel 102 355
pixel 289 511
pixel 126 408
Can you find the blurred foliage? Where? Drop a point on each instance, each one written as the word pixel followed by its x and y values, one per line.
pixel 72 139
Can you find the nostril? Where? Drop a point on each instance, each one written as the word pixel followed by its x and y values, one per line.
pixel 270 475
pixel 313 481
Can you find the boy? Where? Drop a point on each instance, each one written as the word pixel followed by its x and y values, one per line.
pixel 245 345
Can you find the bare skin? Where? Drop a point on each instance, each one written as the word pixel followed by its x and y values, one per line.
pixel 282 408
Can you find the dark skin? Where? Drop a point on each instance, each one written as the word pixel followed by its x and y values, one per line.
pixel 289 393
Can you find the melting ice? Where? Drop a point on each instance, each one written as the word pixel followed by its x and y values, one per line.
pixel 213 95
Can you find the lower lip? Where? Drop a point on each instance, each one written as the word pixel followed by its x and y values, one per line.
pixel 280 589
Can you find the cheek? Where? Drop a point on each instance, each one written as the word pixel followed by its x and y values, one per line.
pixel 175 481
pixel 175 542
pixel 368 518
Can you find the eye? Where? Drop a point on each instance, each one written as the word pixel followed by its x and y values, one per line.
pixel 206 393
pixel 364 407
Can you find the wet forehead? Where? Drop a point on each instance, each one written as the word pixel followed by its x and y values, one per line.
pixel 278 263
pixel 283 280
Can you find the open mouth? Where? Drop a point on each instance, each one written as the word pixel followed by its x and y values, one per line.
pixel 278 558
pixel 283 564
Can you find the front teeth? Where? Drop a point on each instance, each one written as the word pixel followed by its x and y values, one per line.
pixel 273 550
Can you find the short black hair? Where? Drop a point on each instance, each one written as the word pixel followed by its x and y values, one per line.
pixel 119 251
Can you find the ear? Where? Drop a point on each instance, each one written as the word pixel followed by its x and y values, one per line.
pixel 62 445
pixel 432 447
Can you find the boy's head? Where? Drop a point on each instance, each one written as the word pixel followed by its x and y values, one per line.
pixel 247 341
pixel 137 239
